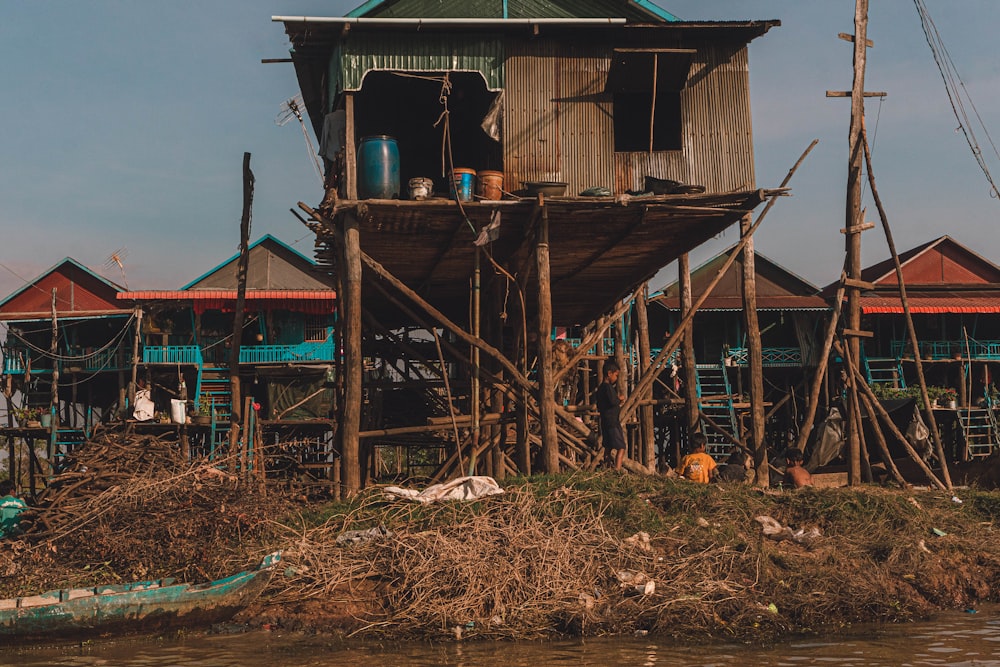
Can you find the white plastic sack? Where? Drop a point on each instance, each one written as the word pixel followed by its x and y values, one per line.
pixel 463 488
pixel 144 408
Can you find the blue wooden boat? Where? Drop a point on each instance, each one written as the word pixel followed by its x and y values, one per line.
pixel 143 606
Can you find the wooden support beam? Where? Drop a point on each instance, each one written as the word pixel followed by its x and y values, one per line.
pixel 859 284
pixel 857 333
pixel 850 38
pixel 857 229
pixel 847 93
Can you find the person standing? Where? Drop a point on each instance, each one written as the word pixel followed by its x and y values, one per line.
pixel 698 466
pixel 609 403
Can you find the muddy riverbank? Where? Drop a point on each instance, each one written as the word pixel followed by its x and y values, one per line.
pixel 571 555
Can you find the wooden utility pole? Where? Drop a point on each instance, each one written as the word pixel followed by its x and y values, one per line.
pixel 235 399
pixel 853 228
pixel 54 387
pixel 756 357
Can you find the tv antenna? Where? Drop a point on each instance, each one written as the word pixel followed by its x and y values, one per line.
pixel 117 258
pixel 292 108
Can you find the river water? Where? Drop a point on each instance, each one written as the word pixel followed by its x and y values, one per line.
pixel 953 638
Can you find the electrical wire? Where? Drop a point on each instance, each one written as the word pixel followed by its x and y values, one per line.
pixel 958 95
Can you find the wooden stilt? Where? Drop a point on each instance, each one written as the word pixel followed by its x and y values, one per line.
pixel 350 422
pixel 546 388
pixel 690 379
pixel 648 455
pixel 756 357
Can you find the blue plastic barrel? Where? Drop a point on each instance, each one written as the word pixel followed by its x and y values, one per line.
pixel 378 168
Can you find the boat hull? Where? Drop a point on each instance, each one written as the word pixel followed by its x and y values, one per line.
pixel 132 608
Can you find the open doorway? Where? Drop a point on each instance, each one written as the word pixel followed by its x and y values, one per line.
pixel 406 106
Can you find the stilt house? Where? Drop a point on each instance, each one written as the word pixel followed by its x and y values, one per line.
pixel 953 295
pixel 608 138
pixel 65 360
pixel 790 313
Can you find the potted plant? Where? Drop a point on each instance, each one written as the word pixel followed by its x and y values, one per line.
pixel 28 417
pixel 203 413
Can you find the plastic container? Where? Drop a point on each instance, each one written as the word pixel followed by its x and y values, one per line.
pixel 421 188
pixel 378 168
pixel 490 184
pixel 178 411
pixel 462 182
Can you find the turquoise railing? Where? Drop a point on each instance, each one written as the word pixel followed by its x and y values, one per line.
pixel 265 354
pixel 171 354
pixel 106 360
pixel 950 349
pixel 607 346
pixel 773 356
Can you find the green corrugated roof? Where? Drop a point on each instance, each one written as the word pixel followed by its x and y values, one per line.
pixel 635 10
pixel 419 52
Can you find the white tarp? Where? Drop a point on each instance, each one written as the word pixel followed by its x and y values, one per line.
pixel 463 488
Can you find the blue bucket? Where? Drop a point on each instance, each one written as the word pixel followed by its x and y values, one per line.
pixel 463 181
pixel 378 168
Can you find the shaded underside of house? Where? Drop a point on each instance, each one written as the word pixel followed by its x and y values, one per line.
pixel 600 249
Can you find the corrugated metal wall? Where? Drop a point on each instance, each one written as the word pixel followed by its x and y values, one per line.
pixel 423 52
pixel 558 124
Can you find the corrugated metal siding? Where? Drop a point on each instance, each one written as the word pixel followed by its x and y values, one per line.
pixel 717 137
pixel 423 52
pixel 558 124
pixel 718 127
pixel 557 121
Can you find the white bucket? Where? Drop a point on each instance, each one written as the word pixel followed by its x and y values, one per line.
pixel 177 411
pixel 421 188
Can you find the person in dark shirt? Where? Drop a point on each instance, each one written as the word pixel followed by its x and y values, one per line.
pixel 609 403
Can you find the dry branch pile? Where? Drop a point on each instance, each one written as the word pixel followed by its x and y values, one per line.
pixel 131 508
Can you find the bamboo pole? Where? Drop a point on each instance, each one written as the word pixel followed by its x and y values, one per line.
pixel 668 348
pixel 823 364
pixel 54 385
pixel 887 420
pixel 910 329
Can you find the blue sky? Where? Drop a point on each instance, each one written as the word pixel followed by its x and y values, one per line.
pixel 124 126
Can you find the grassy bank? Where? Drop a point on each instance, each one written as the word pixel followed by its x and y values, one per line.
pixel 548 557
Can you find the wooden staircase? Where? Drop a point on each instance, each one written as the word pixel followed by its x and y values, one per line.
pixel 716 402
pixel 979 430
